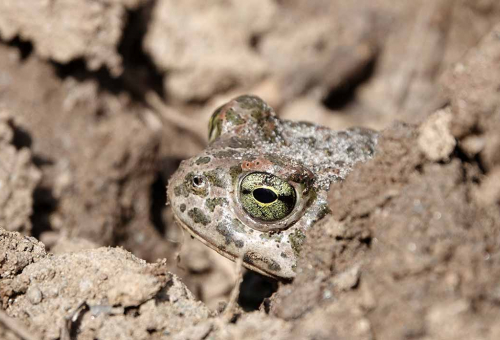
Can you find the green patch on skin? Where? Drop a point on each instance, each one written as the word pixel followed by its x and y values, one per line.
pixel 234 118
pixel 181 190
pixel 203 160
pixel 249 102
pixel 271 236
pixel 225 230
pixel 240 143
pixel 226 154
pixel 258 108
pixel 211 203
pixel 257 114
pixel 216 177
pixel 198 216
pixel 238 226
pixel 235 172
pixel 296 240
pixel 182 207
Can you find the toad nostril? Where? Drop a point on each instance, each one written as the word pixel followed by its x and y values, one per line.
pixel 198 181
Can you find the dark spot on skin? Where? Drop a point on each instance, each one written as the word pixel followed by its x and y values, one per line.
pixel 181 190
pixel 198 216
pixel 182 207
pixel 216 177
pixel 226 231
pixel 240 143
pixel 297 239
pixel 340 163
pixel 273 265
pixel 211 203
pixel 271 236
pixel 251 258
pixel 226 154
pixel 283 255
pixel 203 160
pixel 265 236
pixel 177 190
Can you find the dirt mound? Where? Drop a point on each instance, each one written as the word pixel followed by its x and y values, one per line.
pixel 18 177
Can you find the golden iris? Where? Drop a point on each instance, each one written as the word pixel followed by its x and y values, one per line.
pixel 267 197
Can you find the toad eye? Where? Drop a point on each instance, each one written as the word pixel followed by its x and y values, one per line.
pixel 267 197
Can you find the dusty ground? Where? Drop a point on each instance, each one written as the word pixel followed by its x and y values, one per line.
pixel 96 112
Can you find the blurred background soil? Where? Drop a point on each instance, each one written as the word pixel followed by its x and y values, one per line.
pixel 101 100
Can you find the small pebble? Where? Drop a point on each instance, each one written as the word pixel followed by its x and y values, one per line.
pixel 34 295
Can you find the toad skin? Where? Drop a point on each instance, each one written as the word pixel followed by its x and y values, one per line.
pixel 262 183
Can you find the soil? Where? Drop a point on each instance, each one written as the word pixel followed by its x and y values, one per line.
pixel 97 111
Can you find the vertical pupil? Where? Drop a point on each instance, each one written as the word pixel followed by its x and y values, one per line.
pixel 264 195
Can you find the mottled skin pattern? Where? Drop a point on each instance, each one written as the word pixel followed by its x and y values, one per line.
pixel 293 164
